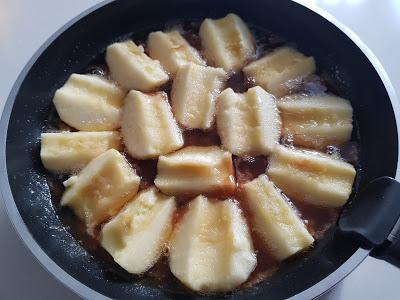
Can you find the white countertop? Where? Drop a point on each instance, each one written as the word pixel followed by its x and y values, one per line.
pixel 26 24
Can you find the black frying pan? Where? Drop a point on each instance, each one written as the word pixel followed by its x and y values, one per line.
pixel 81 42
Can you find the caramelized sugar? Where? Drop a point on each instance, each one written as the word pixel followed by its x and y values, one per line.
pixel 239 83
pixel 189 32
pixel 317 220
pixel 146 169
pixel 249 167
pixel 198 137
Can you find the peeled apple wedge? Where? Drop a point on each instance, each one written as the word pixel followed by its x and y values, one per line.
pixel 279 71
pixel 194 93
pixel 172 50
pixel 311 176
pixel 249 123
pixel 196 170
pixel 316 121
pixel 227 42
pixel 102 187
pixel 138 235
pixel 279 226
pixel 68 152
pixel 211 249
pixel 148 126
pixel 89 103
pixel 133 69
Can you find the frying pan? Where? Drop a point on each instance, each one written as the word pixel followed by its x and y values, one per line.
pixel 367 225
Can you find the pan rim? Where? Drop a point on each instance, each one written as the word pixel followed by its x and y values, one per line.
pixel 86 292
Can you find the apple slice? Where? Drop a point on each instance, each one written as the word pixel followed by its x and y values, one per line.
pixel 316 121
pixel 196 170
pixel 311 176
pixel 194 92
pixel 69 152
pixel 211 249
pixel 138 235
pixel 133 69
pixel 249 123
pixel 172 50
pixel 227 42
pixel 89 103
pixel 102 187
pixel 280 71
pixel 148 126
pixel 279 226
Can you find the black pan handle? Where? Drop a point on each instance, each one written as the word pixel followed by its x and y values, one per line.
pixel 373 219
pixel 390 250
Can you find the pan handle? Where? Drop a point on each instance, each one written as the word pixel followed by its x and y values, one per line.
pixel 390 251
pixel 373 219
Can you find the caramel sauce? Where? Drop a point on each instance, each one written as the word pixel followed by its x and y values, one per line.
pixel 145 169
pixel 317 220
pixel 248 168
pixel 239 83
pixel 197 137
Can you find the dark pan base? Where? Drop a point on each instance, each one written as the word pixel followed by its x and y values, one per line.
pixel 338 58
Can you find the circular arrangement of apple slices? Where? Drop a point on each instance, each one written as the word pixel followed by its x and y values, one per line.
pixel 210 246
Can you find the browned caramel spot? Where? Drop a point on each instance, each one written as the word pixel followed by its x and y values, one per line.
pixel 197 137
pixel 248 168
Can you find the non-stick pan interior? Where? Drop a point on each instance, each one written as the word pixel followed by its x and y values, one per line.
pixel 340 61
